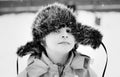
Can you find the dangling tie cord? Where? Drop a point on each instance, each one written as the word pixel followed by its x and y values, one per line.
pixel 17 66
pixel 106 59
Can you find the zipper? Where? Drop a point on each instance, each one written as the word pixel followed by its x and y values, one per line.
pixel 60 69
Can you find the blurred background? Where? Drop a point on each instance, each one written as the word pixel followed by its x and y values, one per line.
pixel 16 17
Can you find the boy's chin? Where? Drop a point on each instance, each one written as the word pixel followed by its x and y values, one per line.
pixel 63 49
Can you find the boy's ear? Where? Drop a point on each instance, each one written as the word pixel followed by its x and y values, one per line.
pixel 87 35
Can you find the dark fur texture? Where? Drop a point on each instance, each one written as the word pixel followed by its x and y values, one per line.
pixel 87 35
pixel 52 18
pixel 32 48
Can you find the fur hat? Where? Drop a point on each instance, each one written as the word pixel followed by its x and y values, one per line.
pixel 53 17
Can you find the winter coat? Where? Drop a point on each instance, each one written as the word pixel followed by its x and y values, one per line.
pixel 76 66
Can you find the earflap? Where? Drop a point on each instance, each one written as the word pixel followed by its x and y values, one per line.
pixel 32 48
pixel 87 35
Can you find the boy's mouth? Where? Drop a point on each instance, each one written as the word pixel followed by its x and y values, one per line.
pixel 63 42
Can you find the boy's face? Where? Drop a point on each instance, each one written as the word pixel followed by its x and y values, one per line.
pixel 61 40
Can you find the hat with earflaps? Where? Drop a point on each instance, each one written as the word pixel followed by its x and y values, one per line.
pixel 53 17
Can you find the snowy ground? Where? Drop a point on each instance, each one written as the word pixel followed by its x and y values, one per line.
pixel 15 30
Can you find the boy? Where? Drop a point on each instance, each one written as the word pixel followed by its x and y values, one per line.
pixel 56 35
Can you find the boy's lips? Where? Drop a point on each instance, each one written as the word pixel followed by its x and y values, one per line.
pixel 63 42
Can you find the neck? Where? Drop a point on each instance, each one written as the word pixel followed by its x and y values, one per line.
pixel 57 57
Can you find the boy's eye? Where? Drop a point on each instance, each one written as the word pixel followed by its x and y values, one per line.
pixel 68 31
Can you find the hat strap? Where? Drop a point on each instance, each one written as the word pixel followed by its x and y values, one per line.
pixel 106 59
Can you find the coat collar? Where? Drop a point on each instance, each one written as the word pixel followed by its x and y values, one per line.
pixel 37 67
pixel 76 61
pixel 46 60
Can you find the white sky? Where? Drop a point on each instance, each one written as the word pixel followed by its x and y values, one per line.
pixel 15 30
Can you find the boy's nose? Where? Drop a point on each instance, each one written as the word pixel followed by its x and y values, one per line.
pixel 64 33
pixel 64 36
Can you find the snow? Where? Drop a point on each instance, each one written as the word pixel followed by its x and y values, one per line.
pixel 15 30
